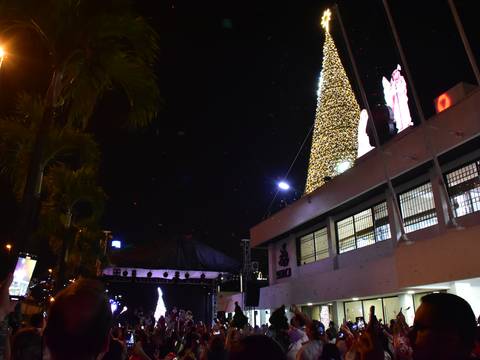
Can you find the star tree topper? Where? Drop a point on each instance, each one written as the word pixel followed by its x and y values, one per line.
pixel 327 15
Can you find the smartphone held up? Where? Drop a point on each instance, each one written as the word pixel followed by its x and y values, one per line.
pixel 22 276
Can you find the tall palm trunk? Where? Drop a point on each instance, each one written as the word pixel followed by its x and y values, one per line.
pixel 33 185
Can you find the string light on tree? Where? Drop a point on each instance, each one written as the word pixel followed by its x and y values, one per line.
pixel 334 140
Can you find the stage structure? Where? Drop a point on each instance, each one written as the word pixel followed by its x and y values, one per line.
pixel 185 262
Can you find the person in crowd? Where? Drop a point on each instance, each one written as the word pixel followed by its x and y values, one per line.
pixel 6 307
pixel 79 322
pixel 331 331
pixel 330 352
pixel 239 319
pixel 446 320
pixel 296 333
pixel 142 350
pixel 216 349
pixel 257 347
pixel 117 348
pixel 434 334
pixel 191 349
pixel 27 345
pixel 278 329
pixel 312 349
pixel 342 347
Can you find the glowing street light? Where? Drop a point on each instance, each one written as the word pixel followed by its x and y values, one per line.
pixel 8 247
pixel 2 55
pixel 283 185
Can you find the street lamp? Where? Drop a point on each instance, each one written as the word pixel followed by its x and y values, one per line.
pixel 2 55
pixel 8 247
pixel 283 185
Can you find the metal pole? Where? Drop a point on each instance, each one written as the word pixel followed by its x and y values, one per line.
pixel 396 209
pixel 443 188
pixel 465 41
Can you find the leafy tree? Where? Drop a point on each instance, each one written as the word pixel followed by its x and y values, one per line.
pixel 63 145
pixel 70 216
pixel 94 46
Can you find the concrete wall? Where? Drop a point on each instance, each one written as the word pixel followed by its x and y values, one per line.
pixel 384 268
pixel 450 256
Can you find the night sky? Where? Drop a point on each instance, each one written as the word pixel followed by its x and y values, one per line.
pixel 239 82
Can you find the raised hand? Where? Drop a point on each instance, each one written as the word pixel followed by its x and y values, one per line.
pixel 6 305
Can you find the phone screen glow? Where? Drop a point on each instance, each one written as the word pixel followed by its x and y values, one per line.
pixel 22 276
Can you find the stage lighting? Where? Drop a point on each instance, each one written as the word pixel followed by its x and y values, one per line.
pixel 187 275
pixel 125 273
pixel 165 274
pixel 149 274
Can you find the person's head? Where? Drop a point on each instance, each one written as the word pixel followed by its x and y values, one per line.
pixel 79 322
pixel 37 321
pixel 278 319
pixel 314 330
pixel 444 328
pixel 256 347
pixel 27 345
pixel 297 322
pixel 331 324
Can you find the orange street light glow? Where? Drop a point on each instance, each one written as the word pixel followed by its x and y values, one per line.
pixel 8 247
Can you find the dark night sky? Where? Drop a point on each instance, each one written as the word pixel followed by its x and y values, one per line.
pixel 239 80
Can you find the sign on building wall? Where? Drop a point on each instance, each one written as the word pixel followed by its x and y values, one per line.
pixel 283 262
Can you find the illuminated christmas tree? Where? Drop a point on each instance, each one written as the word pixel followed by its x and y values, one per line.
pixel 334 141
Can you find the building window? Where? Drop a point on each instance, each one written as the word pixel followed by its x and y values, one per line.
pixel 418 208
pixel 364 228
pixel 314 246
pixel 464 189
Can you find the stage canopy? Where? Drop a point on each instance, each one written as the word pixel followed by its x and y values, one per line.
pixel 186 254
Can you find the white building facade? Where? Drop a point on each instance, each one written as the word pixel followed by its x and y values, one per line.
pixel 338 250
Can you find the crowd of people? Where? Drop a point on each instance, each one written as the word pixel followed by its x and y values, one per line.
pixel 80 326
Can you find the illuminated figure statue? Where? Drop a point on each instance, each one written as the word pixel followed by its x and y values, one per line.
pixel 363 139
pixel 160 310
pixel 395 92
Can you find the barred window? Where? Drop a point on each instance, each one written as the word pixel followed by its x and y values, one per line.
pixel 382 226
pixel 464 189
pixel 418 208
pixel 364 228
pixel 314 246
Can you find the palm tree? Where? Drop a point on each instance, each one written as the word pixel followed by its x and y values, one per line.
pixel 72 209
pixel 94 46
pixel 17 137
